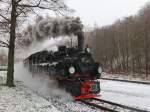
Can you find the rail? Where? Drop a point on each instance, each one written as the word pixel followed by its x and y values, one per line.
pixel 131 81
pixel 110 106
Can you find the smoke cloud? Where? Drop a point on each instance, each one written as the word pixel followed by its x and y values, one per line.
pixel 50 27
pixel 40 83
pixel 49 44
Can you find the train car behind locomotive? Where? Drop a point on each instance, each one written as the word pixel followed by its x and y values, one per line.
pixel 73 67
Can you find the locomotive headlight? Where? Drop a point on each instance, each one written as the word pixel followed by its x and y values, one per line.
pixel 72 70
pixel 100 70
pixel 88 50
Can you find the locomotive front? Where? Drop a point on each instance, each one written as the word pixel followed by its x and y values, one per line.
pixel 81 74
pixel 85 72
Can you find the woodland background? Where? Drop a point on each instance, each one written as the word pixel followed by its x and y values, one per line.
pixel 123 46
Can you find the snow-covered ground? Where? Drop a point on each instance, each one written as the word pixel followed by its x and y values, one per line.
pixel 137 95
pixel 22 99
pixel 25 99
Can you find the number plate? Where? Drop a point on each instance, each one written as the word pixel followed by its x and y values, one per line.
pixel 94 87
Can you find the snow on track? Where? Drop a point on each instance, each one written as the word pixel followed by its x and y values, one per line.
pixel 137 95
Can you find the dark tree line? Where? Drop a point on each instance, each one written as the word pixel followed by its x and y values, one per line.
pixel 125 45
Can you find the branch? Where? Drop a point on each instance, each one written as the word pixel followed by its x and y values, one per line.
pixel 18 1
pixel 37 6
pixel 54 5
pixel 27 5
pixel 3 44
pixel 20 12
pixel 34 12
pixel 3 31
pixel 3 1
pixel 3 22
pixel 4 25
pixel 45 8
pixel 4 18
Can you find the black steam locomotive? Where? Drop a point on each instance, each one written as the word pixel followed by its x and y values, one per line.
pixel 73 68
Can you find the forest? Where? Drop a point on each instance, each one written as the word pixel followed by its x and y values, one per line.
pixel 123 47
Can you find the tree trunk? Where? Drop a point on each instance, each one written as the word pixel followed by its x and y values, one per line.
pixel 10 69
pixel 146 49
pixel 133 65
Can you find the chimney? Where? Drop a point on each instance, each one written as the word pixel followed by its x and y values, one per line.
pixel 80 40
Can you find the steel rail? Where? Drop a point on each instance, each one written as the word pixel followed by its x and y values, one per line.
pixel 120 105
pixel 131 81
pixel 98 106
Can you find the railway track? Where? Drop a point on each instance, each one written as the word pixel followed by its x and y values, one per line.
pixel 131 81
pixel 109 106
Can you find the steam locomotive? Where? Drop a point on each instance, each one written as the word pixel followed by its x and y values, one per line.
pixel 73 68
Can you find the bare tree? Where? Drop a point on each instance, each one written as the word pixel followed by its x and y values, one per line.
pixel 13 12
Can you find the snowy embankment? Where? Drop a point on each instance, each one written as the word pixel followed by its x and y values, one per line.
pixel 21 99
pixel 24 98
pixel 137 95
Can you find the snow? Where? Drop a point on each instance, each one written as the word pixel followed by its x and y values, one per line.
pixel 137 95
pixel 24 99
pixel 21 99
pixel 17 100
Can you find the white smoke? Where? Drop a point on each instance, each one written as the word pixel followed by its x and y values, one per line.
pixel 47 34
pixel 40 83
pixel 49 44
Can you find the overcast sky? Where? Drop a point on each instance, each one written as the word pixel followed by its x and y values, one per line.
pixel 104 12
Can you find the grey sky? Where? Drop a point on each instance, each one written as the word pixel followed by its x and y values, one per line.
pixel 104 12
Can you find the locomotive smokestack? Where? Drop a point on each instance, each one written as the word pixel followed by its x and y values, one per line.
pixel 80 40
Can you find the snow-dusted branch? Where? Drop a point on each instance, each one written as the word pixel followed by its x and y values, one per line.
pixel 3 44
pixel 4 17
pixel 28 5
pixel 19 1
